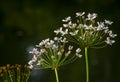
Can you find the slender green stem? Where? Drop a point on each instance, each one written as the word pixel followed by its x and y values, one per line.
pixel 56 74
pixel 87 67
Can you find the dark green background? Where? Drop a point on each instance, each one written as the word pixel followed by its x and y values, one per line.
pixel 24 23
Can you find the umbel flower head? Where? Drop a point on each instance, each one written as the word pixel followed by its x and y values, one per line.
pixel 52 54
pixel 86 31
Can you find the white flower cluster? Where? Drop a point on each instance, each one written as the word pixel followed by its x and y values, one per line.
pixel 86 31
pixel 51 53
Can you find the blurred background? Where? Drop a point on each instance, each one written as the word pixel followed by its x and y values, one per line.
pixel 24 23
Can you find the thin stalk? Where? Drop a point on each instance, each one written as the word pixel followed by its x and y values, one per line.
pixel 56 74
pixel 87 67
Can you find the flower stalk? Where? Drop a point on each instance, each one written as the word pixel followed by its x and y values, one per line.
pixel 87 65
pixel 56 75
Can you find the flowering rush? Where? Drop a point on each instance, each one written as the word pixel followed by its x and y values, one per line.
pixel 86 31
pixel 14 73
pixel 52 54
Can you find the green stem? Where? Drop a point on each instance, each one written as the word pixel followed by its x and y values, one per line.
pixel 56 74
pixel 87 67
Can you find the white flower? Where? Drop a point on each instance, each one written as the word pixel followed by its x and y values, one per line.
pixel 42 51
pixel 70 23
pixel 91 16
pixel 78 50
pixel 106 30
pixel 64 40
pixel 46 40
pixel 59 53
pixel 109 41
pixel 100 26
pixel 70 47
pixel 67 19
pixel 108 22
pixel 74 33
pixel 47 45
pixel 34 59
pixel 65 25
pixel 51 42
pixel 31 66
pixel 56 38
pixel 34 51
pixel 78 55
pixel 64 32
pixel 55 47
pixel 79 14
pixel 111 34
pixel 74 25
pixel 57 31
pixel 87 27
pixel 30 62
pixel 67 54
pixel 40 44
